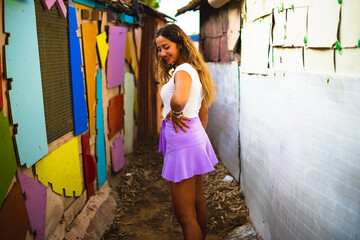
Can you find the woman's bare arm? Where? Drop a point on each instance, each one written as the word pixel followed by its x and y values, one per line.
pixel 203 114
pixel 179 99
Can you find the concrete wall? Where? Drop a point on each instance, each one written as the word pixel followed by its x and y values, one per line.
pixel 223 127
pixel 299 117
pixel 300 141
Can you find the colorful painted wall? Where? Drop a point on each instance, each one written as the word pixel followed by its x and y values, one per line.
pixel 299 129
pixel 67 111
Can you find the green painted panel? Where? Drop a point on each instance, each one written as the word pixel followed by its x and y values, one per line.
pixel 7 157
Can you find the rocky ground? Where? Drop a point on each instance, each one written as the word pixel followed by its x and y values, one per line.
pixel 145 209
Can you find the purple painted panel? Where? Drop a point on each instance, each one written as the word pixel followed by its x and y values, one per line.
pixel 116 56
pixel 117 154
pixel 35 201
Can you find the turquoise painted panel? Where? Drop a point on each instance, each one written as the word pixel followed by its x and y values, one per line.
pixel 7 157
pixel 23 67
pixel 124 18
pixel 77 77
pixel 129 87
pixel 100 137
pixel 90 3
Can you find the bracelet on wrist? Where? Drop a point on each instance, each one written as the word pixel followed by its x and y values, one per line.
pixel 177 114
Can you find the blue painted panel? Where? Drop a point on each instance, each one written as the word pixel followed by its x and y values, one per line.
pixel 90 3
pixel 23 67
pixel 124 18
pixel 100 137
pixel 77 77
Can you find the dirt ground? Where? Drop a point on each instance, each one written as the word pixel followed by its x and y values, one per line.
pixel 145 209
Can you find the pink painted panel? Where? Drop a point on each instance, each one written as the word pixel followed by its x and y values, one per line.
pixel 60 5
pixel 35 201
pixel 117 154
pixel 116 56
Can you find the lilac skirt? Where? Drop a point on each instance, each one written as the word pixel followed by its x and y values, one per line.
pixel 185 154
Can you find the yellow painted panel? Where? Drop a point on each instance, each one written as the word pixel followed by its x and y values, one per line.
pixel 62 169
pixel 103 48
pixel 130 53
pixel 82 6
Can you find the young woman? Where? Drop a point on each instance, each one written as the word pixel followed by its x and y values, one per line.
pixel 187 91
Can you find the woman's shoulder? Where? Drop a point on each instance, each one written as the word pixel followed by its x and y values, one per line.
pixel 187 67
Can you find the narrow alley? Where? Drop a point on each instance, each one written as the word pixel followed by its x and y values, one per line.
pixel 81 113
pixel 145 209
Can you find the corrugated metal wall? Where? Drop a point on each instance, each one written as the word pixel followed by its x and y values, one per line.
pixel 148 96
pixel 213 33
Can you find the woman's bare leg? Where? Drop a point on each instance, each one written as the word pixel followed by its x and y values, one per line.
pixel 183 197
pixel 200 205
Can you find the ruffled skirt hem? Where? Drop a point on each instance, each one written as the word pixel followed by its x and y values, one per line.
pixel 186 162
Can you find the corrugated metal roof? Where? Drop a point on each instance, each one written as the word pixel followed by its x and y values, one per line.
pixel 192 5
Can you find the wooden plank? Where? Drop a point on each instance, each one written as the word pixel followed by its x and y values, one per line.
pixel 35 200
pixel 116 114
pixel 233 32
pixel 89 50
pixel 7 155
pixel 137 34
pixel 14 220
pixel 62 169
pixel 77 78
pixel 116 56
pixel 117 154
pixel 23 68
pixel 100 137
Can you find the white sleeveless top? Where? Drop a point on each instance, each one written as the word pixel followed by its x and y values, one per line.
pixel 193 104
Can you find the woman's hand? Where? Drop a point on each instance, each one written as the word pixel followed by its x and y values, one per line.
pixel 178 122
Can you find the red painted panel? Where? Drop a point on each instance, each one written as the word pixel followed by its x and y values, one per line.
pixel 89 165
pixel 116 114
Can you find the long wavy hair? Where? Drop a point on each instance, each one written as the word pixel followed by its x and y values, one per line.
pixel 189 54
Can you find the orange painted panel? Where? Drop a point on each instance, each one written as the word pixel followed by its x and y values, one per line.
pixel 89 50
pixel 116 114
